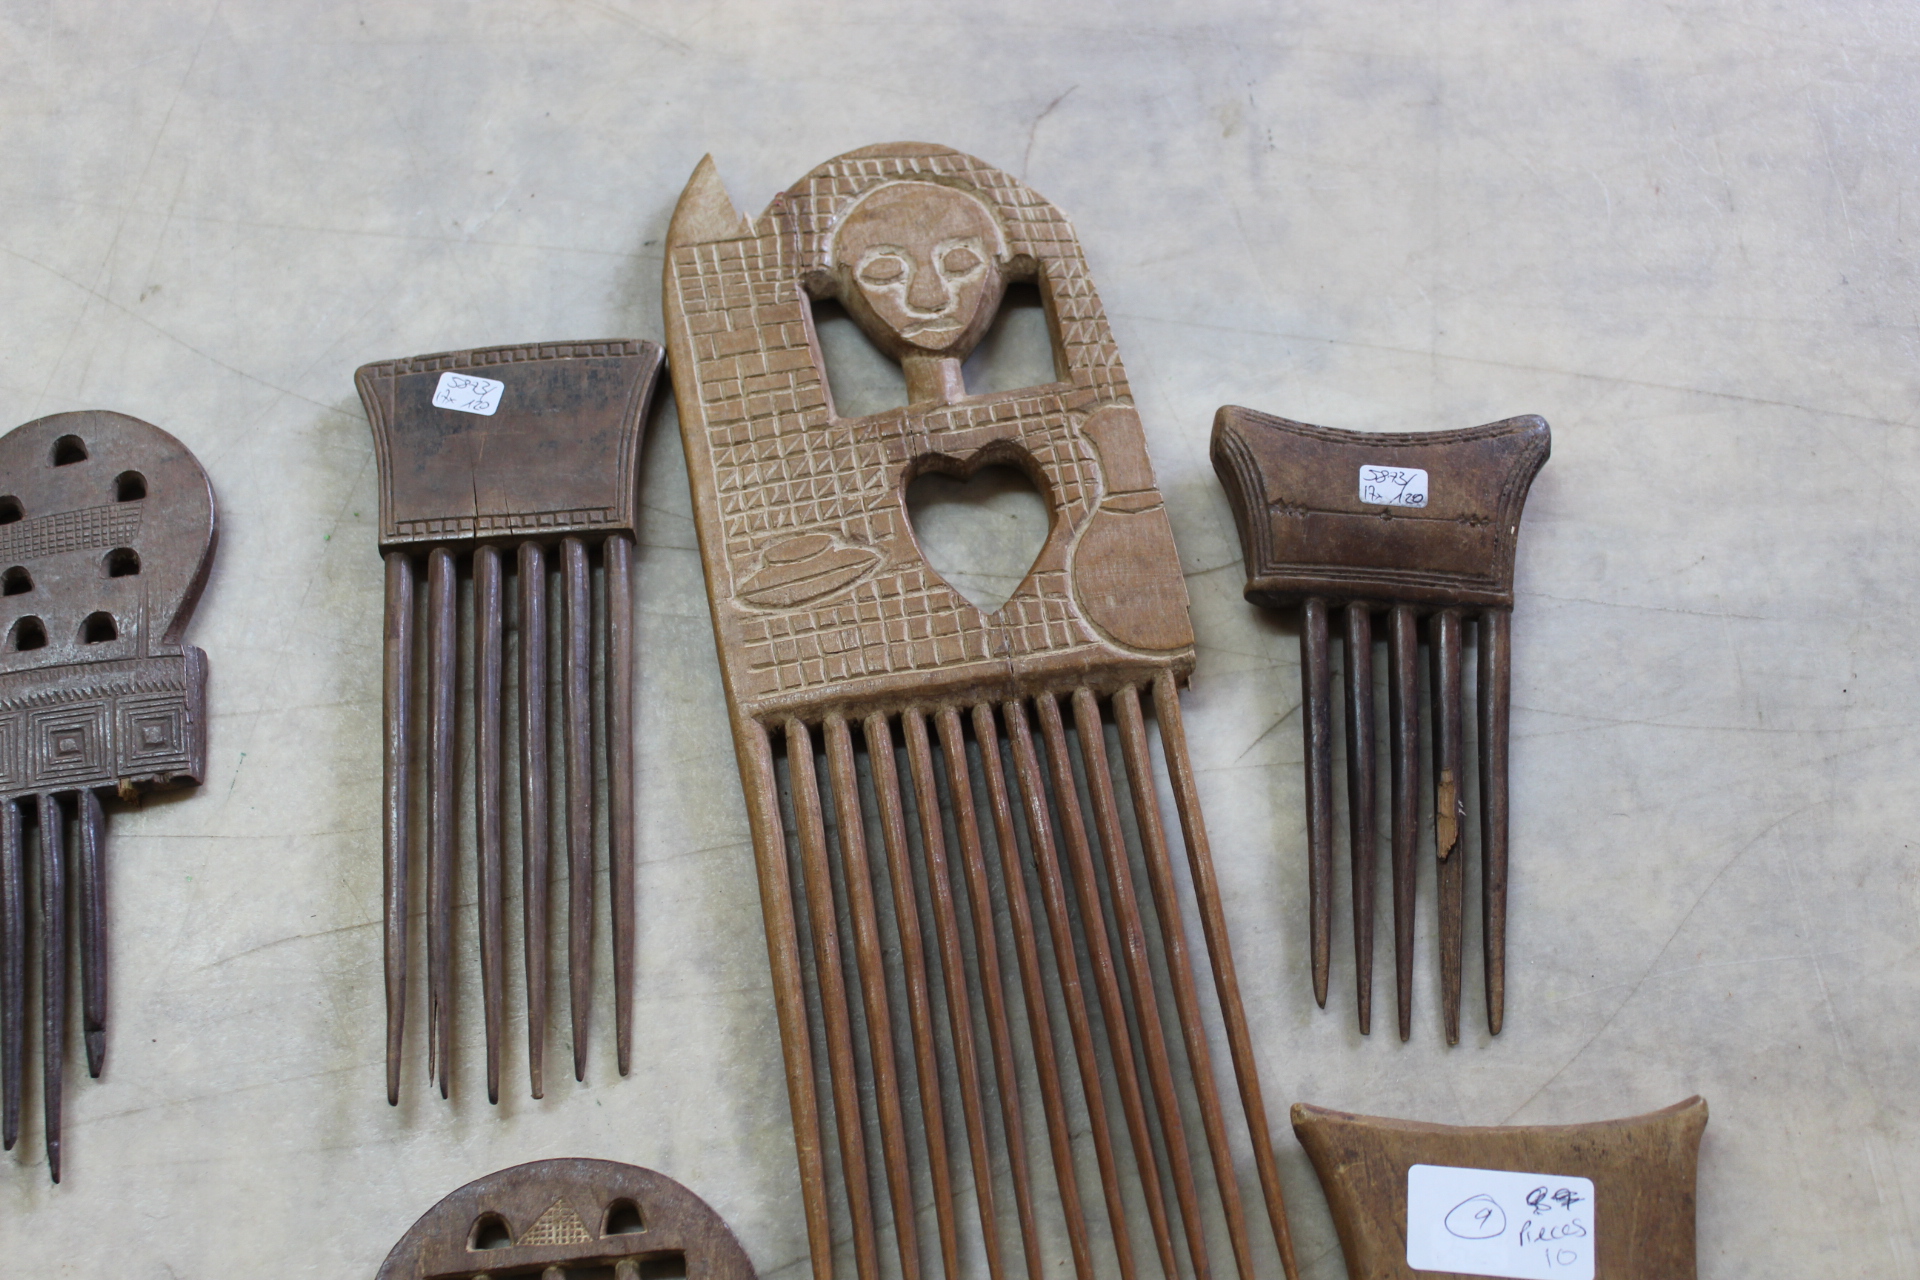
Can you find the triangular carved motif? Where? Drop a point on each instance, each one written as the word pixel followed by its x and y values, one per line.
pixel 558 1225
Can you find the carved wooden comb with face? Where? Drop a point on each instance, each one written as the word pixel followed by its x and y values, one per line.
pixel 832 626
pixel 569 1220
pixel 106 534
pixel 1419 527
pixel 533 448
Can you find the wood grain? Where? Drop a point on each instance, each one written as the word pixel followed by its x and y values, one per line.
pixel 826 612
pixel 1317 535
pixel 1642 1168
pixel 552 472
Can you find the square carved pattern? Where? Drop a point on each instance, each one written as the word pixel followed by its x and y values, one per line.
pixel 153 734
pixel 12 774
pixel 70 743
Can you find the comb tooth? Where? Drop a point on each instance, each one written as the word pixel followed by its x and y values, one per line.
pixel 1403 711
pixel 53 970
pixel 873 987
pixel 833 995
pixel 577 672
pixel 946 932
pixel 442 648
pixel 1226 982
pixel 1363 833
pixel 973 873
pixel 397 733
pixel 1106 981
pixel 1166 902
pixel 618 553
pixel 1139 972
pixel 783 956
pixel 536 858
pixel 13 970
pixel 1316 723
pixel 1496 705
pixel 1033 991
pixel 488 802
pixel 893 835
pixel 1053 897
pixel 1449 810
pixel 93 929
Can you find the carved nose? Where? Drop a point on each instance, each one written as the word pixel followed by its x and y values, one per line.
pixel 927 293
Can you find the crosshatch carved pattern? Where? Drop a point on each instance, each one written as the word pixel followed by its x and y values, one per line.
pixel 83 530
pixel 784 466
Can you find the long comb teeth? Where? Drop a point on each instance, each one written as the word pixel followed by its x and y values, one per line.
pixel 953 967
pixel 577 708
pixel 436 612
pixel 536 857
pixel 1316 724
pixel 817 878
pixel 1033 991
pixel 395 828
pixel 1446 636
pixel 1106 977
pixel 442 683
pixel 973 871
pixel 851 830
pixel 93 929
pixel 1060 929
pixel 1449 810
pixel 617 553
pixel 1496 700
pixel 489 674
pixel 936 804
pixel 1362 830
pixel 13 969
pixel 1403 654
pixel 53 970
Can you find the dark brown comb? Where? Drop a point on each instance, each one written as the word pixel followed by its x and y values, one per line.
pixel 558 1218
pixel 534 449
pixel 1419 527
pixel 106 535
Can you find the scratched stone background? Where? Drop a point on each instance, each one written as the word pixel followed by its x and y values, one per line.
pixel 1679 231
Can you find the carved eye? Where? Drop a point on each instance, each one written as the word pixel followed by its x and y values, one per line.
pixel 960 261
pixel 883 270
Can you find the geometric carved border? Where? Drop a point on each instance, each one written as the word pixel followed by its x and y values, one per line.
pixel 12 768
pixel 70 743
pixel 152 734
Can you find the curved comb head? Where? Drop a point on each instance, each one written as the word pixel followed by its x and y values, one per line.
pixel 106 532
pixel 584 1217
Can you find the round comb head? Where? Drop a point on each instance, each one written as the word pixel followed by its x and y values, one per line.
pixel 106 532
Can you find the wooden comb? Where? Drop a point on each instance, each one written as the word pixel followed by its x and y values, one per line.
pixel 1642 1169
pixel 106 536
pixel 569 1220
pixel 831 626
pixel 535 449
pixel 1420 527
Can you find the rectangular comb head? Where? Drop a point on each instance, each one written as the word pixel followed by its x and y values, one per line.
pixel 1427 518
pixel 544 443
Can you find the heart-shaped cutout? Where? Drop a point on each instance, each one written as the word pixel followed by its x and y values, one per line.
pixel 981 533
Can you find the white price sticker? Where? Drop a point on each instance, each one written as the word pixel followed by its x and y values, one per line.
pixel 1491 1222
pixel 1393 486
pixel 468 394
